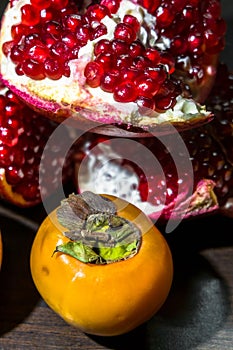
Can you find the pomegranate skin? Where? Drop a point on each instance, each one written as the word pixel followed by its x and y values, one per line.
pixel 172 191
pixel 90 109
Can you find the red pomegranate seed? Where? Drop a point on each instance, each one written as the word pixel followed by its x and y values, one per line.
pixel 54 28
pixel 123 61
pixel 129 74
pixel 151 6
pixel 96 12
pixel 19 30
pixel 38 53
pixel 7 47
pixel 69 39
pixel 125 92
pixel 8 136
pixel 120 47
pixel 83 33
pixel 164 16
pixel 132 21
pixel 71 22
pixel 125 32
pixel 145 103
pixel 99 31
pixel 47 14
pixel 60 51
pixel 106 60
pixel 17 54
pixel 141 62
pixel 33 69
pixel 102 46
pixel 158 74
pixel 136 49
pixel 146 86
pixel 5 155
pixel 41 4
pixel 53 69
pixel 59 4
pixel 93 73
pixel 13 175
pixel 30 15
pixel 112 5
pixel 153 55
pixel 109 81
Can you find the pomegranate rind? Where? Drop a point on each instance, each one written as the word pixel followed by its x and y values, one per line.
pixel 72 97
pixel 7 194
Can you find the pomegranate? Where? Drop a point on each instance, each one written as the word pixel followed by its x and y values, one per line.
pixel 145 171
pixel 130 65
pixel 23 136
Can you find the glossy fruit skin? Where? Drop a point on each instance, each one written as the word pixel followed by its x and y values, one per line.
pixel 104 300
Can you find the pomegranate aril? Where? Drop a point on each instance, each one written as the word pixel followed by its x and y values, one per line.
pixel 145 103
pixel 41 4
pixel 120 47
pixel 38 53
pixel 93 73
pixel 132 21
pixel 141 62
pixel 106 60
pixel 54 28
pixel 71 22
pixel 146 87
pixel 125 92
pixel 33 69
pixel 151 6
pixel 8 136
pixel 109 81
pixel 19 30
pixel 164 16
pixel 17 54
pixel 5 155
pixel 96 12
pixel 136 49
pixel 13 174
pixel 125 32
pixel 102 46
pixel 112 5
pixel 99 31
pixel 83 34
pixel 53 69
pixel 129 74
pixel 153 55
pixel 123 61
pixel 59 4
pixel 30 15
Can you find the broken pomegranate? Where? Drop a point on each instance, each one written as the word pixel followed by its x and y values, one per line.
pixel 144 171
pixel 133 64
pixel 23 136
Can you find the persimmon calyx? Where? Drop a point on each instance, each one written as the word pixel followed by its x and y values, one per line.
pixel 96 233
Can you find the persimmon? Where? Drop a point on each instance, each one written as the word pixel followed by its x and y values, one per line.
pixel 101 264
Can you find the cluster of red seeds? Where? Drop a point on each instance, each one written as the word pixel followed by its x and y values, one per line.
pixel 23 135
pixel 52 32
pixel 194 28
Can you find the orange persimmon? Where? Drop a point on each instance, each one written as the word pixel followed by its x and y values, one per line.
pixel 103 298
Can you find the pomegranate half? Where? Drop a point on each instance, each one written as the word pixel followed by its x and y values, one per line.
pixel 123 67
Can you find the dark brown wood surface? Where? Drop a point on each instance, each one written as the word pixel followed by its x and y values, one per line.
pixel 198 313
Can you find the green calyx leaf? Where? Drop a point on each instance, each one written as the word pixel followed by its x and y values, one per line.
pixel 97 234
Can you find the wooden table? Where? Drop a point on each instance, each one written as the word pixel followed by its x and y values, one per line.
pixel 198 313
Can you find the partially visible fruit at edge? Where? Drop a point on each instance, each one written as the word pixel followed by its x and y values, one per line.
pixel 101 167
pixel 23 136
